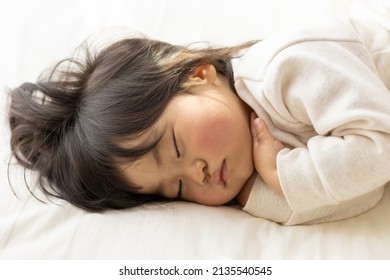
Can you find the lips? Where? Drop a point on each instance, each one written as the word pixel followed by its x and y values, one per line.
pixel 220 176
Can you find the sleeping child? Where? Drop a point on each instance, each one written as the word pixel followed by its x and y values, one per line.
pixel 295 128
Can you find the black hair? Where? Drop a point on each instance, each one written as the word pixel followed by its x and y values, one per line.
pixel 68 126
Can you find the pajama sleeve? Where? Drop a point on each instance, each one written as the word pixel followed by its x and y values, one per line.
pixel 335 89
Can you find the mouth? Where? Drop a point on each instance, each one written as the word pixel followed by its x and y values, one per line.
pixel 221 175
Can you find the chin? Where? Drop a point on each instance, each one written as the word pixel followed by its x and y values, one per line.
pixel 217 202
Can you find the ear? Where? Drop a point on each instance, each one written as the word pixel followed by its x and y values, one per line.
pixel 203 74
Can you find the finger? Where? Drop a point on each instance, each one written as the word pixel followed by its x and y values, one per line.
pixel 253 129
pixel 262 137
pixel 260 132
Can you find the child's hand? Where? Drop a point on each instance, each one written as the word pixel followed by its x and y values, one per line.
pixel 265 149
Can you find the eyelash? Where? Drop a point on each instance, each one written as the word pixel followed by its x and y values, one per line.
pixel 180 188
pixel 178 156
pixel 176 148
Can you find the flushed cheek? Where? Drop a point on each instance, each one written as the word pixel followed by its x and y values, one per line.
pixel 211 134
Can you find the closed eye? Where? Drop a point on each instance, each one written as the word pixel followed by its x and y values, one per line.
pixel 175 143
pixel 179 194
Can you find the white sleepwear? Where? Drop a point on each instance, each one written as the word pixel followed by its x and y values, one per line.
pixel 323 92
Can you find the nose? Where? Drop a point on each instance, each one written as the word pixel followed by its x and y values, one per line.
pixel 195 172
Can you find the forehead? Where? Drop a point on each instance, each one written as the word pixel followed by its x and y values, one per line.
pixel 142 172
pixel 145 138
pixel 145 173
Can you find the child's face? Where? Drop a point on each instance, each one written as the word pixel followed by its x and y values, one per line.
pixel 205 154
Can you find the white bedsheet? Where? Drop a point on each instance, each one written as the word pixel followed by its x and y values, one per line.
pixel 36 34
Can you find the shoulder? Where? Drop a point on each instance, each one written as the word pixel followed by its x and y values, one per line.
pixel 255 61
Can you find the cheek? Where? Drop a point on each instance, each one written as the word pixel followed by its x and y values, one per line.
pixel 211 133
